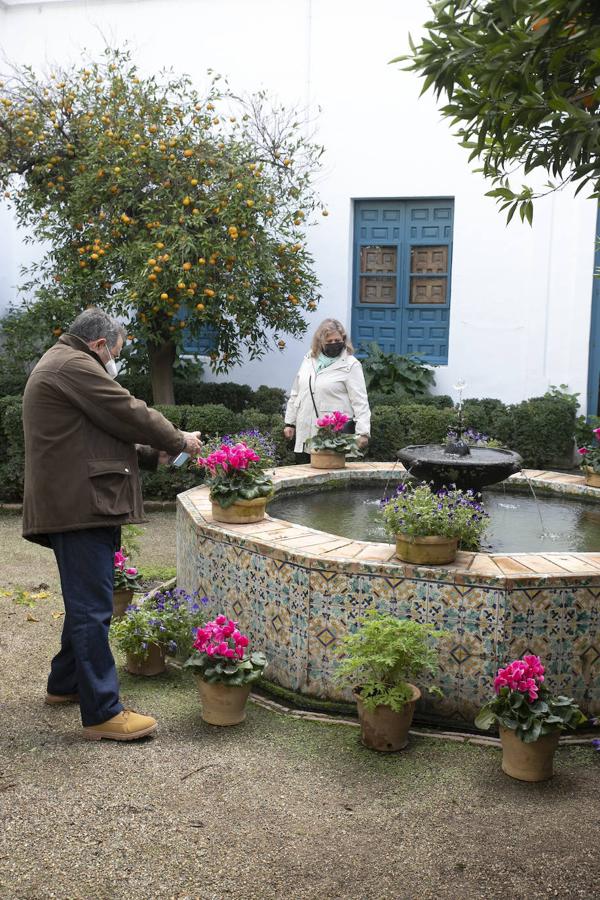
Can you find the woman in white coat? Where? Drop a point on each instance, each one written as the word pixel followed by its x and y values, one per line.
pixel 329 379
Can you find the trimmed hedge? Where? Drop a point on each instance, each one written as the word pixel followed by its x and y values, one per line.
pixel 12 450
pixel 393 427
pixel 236 397
pixel 540 429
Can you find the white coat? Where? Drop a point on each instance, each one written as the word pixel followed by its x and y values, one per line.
pixel 341 386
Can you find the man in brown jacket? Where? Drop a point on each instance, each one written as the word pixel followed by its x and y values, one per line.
pixel 82 432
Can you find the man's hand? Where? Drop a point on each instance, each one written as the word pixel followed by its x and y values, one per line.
pixel 361 441
pixel 193 444
pixel 163 458
pixel 288 432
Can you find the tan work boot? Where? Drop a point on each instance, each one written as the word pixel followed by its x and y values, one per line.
pixel 58 699
pixel 126 726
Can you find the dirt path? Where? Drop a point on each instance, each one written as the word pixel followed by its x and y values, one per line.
pixel 276 808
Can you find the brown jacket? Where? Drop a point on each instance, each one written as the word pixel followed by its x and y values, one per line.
pixel 81 428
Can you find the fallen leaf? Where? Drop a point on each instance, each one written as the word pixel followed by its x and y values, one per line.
pixel 57 615
pixel 31 618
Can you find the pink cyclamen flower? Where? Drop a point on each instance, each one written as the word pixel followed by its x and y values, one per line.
pixel 131 571
pixel 597 433
pixel 583 451
pixel 243 640
pixel 220 620
pixel 120 559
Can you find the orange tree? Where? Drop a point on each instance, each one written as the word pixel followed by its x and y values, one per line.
pixel 172 210
pixel 521 80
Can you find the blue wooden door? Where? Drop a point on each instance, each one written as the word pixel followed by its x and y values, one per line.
pixel 593 407
pixel 401 276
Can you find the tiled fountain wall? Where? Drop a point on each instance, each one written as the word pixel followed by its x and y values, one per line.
pixel 297 591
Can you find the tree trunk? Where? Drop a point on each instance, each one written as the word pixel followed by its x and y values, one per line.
pixel 162 357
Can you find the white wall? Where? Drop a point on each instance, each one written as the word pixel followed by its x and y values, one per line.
pixel 521 297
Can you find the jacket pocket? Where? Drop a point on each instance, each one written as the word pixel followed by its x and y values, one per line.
pixel 111 487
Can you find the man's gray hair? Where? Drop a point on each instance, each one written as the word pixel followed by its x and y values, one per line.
pixel 93 324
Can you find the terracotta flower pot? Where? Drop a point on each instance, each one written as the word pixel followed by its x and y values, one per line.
pixel 223 704
pixel 325 459
pixel 591 478
pixel 121 600
pixel 528 762
pixel 153 664
pixel 241 512
pixel 426 551
pixel 383 729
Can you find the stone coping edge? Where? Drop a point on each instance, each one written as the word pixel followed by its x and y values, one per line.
pixel 315 549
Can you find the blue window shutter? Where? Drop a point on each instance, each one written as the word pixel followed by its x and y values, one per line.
pixel 200 344
pixel 402 276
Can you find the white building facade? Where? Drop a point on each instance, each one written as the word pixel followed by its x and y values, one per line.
pixel 412 254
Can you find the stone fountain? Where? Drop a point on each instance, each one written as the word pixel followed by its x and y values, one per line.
pixel 457 463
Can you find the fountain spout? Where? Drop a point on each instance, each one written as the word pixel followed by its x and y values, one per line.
pixel 458 447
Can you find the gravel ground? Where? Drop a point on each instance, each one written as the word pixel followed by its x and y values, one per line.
pixel 275 808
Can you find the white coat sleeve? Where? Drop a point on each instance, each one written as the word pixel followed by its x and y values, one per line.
pixel 291 410
pixel 357 392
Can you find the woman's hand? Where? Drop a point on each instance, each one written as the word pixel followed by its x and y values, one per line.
pixel 361 441
pixel 288 432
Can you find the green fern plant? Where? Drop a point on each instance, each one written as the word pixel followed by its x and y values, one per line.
pixel 383 655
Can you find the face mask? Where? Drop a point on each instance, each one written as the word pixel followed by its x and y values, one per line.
pixel 111 366
pixel 334 349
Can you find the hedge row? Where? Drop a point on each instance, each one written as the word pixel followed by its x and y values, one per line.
pixel 540 429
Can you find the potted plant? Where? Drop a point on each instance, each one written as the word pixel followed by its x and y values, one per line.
pixel 226 670
pixel 377 662
pixel 529 719
pixel 163 624
pixel 429 526
pixel 331 444
pixel 590 462
pixel 239 485
pixel 126 581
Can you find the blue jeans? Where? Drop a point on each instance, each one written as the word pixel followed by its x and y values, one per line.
pixel 85 664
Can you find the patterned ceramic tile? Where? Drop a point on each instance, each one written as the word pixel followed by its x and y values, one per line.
pixel 297 604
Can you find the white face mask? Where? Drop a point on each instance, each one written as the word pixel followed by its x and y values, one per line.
pixel 111 366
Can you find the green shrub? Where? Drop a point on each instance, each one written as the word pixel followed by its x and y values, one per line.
pixel 390 373
pixel 378 398
pixel 12 449
pixel 543 431
pixel 269 399
pixel 395 427
pixel 491 417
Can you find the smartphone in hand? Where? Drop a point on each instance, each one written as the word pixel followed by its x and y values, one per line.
pixel 180 459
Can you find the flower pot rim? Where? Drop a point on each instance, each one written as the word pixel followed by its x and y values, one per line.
pixel 505 728
pixel 425 539
pixel 415 691
pixel 256 501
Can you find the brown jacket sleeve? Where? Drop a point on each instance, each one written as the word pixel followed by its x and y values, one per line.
pixel 112 408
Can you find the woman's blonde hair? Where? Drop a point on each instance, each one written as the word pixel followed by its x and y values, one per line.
pixel 327 327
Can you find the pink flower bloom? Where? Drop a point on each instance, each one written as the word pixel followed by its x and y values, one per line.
pixel 210 650
pixel 597 433
pixel 229 653
pixel 131 571
pixel 220 620
pixel 228 629
pixel 583 451
pixel 222 648
pixel 120 559
pixel 243 640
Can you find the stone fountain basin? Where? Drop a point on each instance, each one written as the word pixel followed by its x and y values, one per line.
pixel 297 591
pixel 482 467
